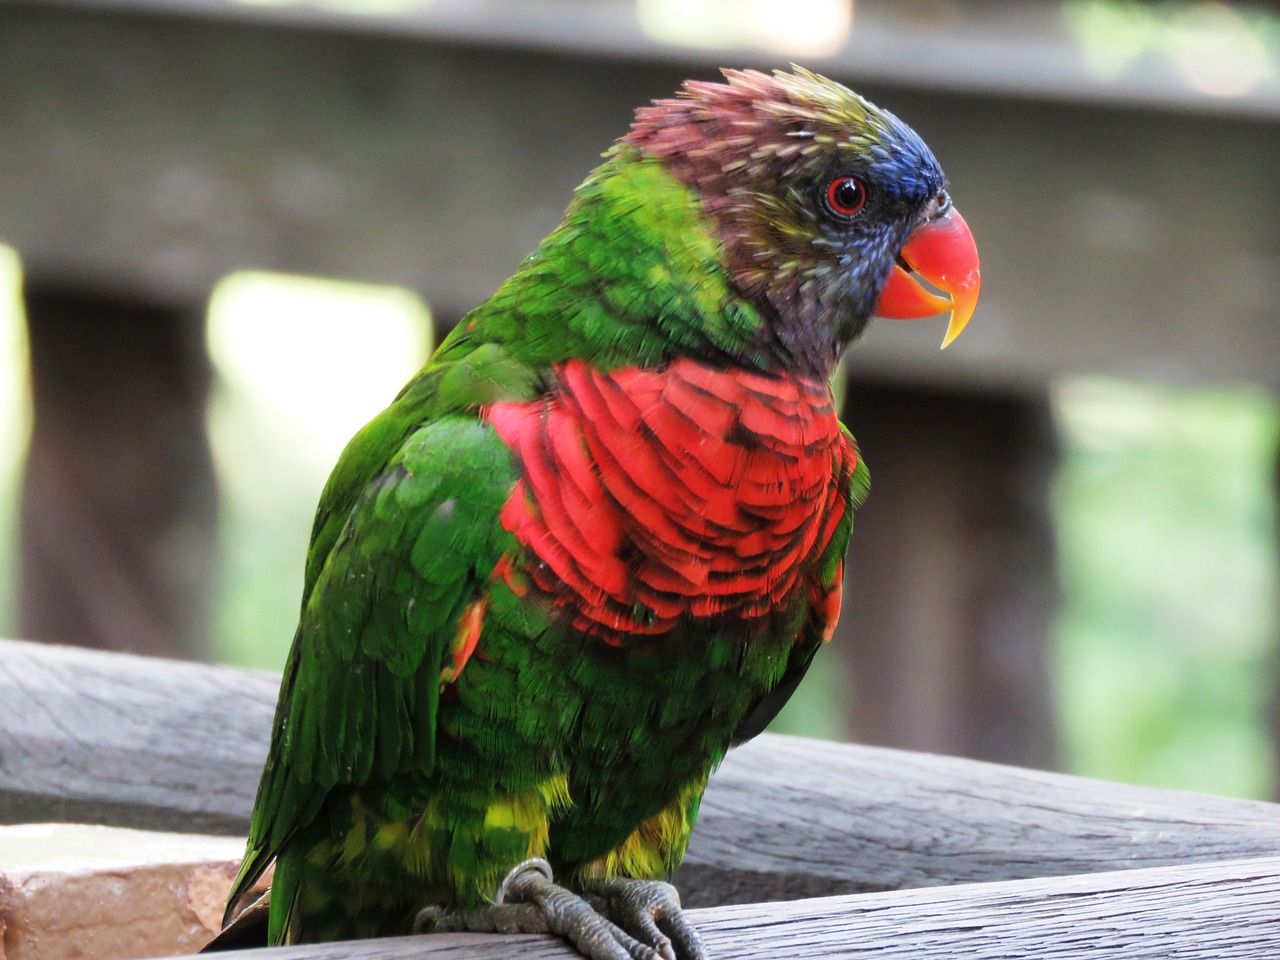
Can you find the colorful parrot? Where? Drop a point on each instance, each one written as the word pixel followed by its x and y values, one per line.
pixel 599 538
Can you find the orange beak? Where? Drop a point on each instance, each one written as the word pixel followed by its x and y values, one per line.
pixel 941 251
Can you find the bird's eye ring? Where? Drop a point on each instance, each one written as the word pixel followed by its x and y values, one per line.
pixel 845 197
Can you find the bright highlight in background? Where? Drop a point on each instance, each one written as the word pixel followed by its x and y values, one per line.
pixel 15 399
pixel 302 365
pixel 797 28
pixel 320 357
pixel 15 424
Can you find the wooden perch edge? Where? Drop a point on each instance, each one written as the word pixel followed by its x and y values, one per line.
pixel 130 741
pixel 788 817
pixel 1228 911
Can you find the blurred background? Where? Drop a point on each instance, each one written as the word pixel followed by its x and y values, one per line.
pixel 230 229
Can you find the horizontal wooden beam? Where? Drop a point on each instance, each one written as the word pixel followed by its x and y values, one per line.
pixel 788 817
pixel 131 741
pixel 1222 910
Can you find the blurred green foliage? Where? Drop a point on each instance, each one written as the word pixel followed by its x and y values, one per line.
pixel 1167 533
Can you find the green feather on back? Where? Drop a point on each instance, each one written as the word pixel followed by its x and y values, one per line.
pixel 359 699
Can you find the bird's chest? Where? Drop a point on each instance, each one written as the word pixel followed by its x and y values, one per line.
pixel 650 497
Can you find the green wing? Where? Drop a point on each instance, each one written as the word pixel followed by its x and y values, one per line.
pixel 360 689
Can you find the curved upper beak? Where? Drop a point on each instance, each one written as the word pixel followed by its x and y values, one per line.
pixel 941 251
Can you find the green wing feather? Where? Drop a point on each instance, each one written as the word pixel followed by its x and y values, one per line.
pixel 379 615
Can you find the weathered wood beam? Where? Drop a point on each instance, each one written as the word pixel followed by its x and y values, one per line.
pixel 1227 911
pixel 110 738
pixel 129 741
pixel 790 817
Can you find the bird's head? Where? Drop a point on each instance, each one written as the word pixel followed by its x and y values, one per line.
pixel 828 209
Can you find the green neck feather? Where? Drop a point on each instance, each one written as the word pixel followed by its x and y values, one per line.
pixel 632 277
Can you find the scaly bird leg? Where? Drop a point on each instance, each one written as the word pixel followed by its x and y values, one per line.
pixel 649 910
pixel 529 901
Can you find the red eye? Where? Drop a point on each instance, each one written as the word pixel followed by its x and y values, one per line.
pixel 846 196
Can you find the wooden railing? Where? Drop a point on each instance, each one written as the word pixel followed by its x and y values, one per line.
pixel 909 855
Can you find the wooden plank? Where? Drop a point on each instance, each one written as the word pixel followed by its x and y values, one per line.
pixel 789 817
pixel 109 738
pixel 129 741
pixel 1224 911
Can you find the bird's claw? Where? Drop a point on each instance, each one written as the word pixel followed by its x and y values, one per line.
pixel 618 920
pixel 650 911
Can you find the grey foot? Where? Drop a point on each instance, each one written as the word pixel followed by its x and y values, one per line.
pixel 619 919
pixel 650 911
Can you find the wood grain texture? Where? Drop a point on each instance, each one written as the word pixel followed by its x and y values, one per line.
pixel 129 741
pixel 788 817
pixel 108 738
pixel 1220 911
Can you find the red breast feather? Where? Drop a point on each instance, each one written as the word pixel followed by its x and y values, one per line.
pixel 650 495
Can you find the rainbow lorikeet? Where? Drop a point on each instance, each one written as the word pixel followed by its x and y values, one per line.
pixel 598 539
